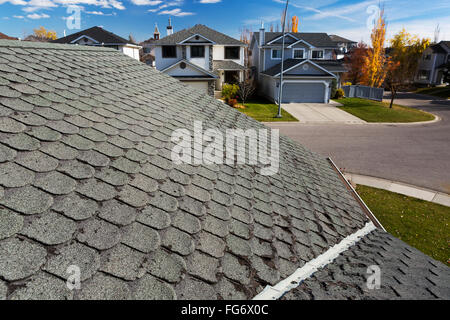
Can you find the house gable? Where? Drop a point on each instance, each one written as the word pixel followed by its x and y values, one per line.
pixel 84 40
pixel 196 39
pixel 185 69
pixel 289 39
pixel 307 68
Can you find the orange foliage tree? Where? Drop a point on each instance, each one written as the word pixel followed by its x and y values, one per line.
pixel 354 62
pixel 406 51
pixel 294 24
pixel 376 63
pixel 43 34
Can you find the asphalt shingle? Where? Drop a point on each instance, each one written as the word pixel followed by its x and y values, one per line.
pixel 86 178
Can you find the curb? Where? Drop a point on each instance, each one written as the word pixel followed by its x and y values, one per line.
pixel 401 188
pixel 395 124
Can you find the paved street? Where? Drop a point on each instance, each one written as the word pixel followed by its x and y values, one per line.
pixel 414 154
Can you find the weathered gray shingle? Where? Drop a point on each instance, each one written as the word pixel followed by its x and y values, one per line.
pixel 86 178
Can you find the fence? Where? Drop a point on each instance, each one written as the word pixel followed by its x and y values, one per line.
pixel 364 92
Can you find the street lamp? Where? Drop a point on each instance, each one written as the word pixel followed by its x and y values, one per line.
pixel 280 89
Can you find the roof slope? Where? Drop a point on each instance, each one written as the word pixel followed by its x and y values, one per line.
pixel 317 39
pixel 5 37
pixel 97 33
pixel 337 38
pixel 86 179
pixel 406 273
pixel 213 35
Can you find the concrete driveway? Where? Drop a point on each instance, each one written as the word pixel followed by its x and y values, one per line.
pixel 320 113
pixel 416 154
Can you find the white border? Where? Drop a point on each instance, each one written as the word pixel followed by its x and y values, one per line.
pixel 303 273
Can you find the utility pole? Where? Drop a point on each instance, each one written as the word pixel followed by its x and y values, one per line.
pixel 280 89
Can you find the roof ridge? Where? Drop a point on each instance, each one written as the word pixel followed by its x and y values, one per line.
pixel 50 45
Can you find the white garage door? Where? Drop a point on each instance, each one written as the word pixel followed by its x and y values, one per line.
pixel 313 92
pixel 199 85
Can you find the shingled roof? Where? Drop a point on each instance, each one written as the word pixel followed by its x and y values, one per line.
pixel 97 33
pixel 86 179
pixel 317 39
pixel 210 34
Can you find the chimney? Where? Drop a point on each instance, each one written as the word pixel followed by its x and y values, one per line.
pixel 156 34
pixel 169 28
pixel 262 35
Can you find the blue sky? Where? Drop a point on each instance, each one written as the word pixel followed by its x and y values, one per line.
pixel 348 18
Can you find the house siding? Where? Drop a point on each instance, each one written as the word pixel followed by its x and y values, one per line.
pixel 163 63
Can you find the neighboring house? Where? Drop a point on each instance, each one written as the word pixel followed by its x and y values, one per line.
pixel 309 68
pixel 201 57
pixel 87 179
pixel 147 53
pixel 343 45
pixel 99 37
pixel 432 64
pixel 5 37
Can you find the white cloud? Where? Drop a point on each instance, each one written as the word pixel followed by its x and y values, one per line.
pixel 100 13
pixel 210 1
pixel 146 2
pixel 99 3
pixel 424 28
pixel 36 16
pixel 15 2
pixel 19 17
pixel 177 12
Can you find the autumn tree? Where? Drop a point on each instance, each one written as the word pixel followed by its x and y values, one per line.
pixel 132 39
pixel 246 87
pixel 354 62
pixel 406 51
pixel 375 62
pixel 294 24
pixel 44 35
pixel 246 37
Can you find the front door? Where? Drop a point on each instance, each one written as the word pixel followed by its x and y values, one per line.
pixel 231 77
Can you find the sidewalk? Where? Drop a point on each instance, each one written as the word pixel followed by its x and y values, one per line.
pixel 401 188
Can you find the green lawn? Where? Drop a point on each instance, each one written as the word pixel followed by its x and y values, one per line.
pixel 421 224
pixel 374 111
pixel 441 92
pixel 265 111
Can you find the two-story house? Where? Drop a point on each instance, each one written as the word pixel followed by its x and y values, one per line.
pixel 432 64
pixel 201 57
pixel 310 65
pixel 97 36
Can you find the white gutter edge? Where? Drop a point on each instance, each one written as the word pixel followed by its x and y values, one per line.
pixel 303 273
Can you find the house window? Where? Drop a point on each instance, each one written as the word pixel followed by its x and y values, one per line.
pixel 276 54
pixel 232 53
pixel 427 57
pixel 197 52
pixel 424 74
pixel 317 54
pixel 169 51
pixel 299 53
